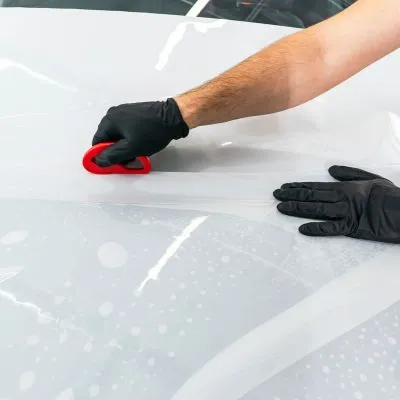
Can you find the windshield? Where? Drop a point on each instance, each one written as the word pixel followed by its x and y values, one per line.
pixel 179 7
pixel 295 13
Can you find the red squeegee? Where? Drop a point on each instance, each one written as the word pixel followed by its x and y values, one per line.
pixel 91 166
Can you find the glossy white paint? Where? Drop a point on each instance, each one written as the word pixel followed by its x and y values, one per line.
pixel 238 285
pixel 327 314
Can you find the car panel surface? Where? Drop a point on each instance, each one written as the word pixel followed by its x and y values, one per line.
pixel 185 283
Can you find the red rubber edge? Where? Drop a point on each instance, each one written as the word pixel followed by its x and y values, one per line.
pixel 93 168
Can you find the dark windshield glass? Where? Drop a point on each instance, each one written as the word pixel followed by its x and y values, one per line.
pixel 296 13
pixel 180 7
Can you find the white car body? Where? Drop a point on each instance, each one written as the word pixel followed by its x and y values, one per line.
pixel 185 283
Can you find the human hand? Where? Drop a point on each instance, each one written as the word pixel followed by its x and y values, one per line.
pixel 362 205
pixel 138 129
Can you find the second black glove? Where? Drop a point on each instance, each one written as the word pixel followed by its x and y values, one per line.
pixel 362 205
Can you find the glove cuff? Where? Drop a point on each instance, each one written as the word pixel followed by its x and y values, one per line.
pixel 174 119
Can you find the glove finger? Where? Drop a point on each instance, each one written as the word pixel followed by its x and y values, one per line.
pixel 118 153
pixel 328 228
pixel 106 132
pixel 314 210
pixel 326 196
pixel 342 173
pixel 310 185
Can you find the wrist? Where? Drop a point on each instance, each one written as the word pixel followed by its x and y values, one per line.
pixel 190 111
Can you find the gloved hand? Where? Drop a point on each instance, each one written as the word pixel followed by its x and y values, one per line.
pixel 138 129
pixel 362 205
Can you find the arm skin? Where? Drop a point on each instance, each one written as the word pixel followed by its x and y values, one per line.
pixel 298 67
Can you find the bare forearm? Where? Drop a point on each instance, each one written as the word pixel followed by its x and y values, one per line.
pixel 276 78
pixel 296 68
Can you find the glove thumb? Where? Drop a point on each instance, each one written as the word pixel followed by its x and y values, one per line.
pixel 118 153
pixel 342 173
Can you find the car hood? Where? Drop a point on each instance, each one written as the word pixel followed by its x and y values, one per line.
pixel 185 283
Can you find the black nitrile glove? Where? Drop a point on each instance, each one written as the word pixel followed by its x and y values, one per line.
pixel 139 129
pixel 362 205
